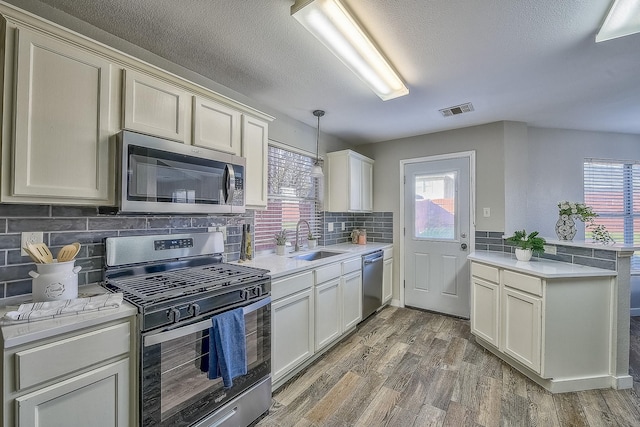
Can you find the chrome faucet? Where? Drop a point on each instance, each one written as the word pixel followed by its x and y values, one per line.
pixel 297 247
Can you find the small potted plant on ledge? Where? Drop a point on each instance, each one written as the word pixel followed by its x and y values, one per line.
pixel 312 241
pixel 281 241
pixel 526 245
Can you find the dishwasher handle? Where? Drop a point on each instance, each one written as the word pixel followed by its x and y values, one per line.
pixel 372 260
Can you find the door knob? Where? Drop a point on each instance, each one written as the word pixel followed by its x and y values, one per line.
pixel 463 246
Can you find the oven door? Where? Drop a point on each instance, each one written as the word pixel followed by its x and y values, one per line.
pixel 175 391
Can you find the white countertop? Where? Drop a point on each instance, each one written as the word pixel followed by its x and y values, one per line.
pixel 282 265
pixel 539 267
pixel 14 334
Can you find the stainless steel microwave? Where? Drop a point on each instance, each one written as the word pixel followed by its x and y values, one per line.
pixel 162 176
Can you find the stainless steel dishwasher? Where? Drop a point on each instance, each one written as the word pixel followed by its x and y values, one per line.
pixel 371 283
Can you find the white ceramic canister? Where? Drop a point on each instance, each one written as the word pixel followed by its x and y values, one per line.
pixel 55 281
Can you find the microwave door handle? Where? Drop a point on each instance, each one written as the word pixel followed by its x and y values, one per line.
pixel 161 337
pixel 230 179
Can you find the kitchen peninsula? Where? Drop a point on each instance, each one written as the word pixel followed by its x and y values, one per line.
pixel 556 322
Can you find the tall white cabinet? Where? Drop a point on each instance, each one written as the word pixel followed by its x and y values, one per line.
pixel 350 182
pixel 61 117
pixel 255 139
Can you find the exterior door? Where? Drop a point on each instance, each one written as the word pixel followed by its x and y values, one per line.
pixel 437 223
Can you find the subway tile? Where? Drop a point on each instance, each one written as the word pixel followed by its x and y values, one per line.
pixel 19 287
pixel 487 240
pixel 481 247
pixel 10 241
pixel 172 222
pixel 14 257
pixel 604 254
pixel 495 234
pixel 45 224
pixel 2 290
pixel 16 272
pixel 480 234
pixel 147 232
pixel 73 211
pixel 557 257
pixel 95 276
pixel 81 237
pixel 24 210
pixel 572 250
pixel 3 225
pixel 118 223
pixel 593 262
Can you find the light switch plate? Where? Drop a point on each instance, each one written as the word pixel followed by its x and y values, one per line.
pixel 550 249
pixel 330 227
pixel 486 212
pixel 343 226
pixel 30 237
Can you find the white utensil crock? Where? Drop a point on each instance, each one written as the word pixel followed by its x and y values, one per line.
pixel 56 281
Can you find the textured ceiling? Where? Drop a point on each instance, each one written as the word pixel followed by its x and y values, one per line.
pixel 530 61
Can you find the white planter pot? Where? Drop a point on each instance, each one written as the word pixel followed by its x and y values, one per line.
pixel 523 254
pixel 312 244
pixel 280 249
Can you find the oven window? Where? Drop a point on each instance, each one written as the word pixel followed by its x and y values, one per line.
pixel 159 176
pixel 182 391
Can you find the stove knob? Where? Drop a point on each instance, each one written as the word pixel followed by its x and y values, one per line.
pixel 194 310
pixel 245 294
pixel 173 315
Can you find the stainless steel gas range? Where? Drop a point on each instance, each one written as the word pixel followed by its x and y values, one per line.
pixel 179 283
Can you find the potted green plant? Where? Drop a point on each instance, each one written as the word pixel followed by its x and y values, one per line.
pixel 526 245
pixel 281 241
pixel 312 241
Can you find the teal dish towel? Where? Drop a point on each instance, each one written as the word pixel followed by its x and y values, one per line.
pixel 227 347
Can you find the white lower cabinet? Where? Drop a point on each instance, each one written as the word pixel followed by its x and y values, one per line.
pixel 76 379
pixel 522 327
pixel 351 300
pixel 292 323
pixel 99 398
pixel 556 330
pixel 328 312
pixel 387 276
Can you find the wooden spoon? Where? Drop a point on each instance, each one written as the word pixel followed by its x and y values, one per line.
pixel 42 252
pixel 33 256
pixel 68 252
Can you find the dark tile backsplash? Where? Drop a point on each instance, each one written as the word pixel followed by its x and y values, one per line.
pixel 379 226
pixel 601 258
pixel 62 225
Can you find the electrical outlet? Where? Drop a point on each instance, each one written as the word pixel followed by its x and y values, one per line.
pixel 30 237
pixel 550 249
pixel 330 227
pixel 343 227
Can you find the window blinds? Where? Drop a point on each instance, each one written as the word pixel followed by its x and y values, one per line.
pixel 293 194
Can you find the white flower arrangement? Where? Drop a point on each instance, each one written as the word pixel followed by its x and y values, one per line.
pixel 577 211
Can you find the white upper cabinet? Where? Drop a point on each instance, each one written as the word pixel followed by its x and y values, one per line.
pixel 154 106
pixel 216 126
pixel 65 97
pixel 255 140
pixel 354 171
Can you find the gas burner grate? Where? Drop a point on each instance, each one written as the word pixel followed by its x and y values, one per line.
pixel 174 283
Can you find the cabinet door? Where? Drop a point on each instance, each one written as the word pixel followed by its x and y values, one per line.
pixel 387 280
pixel 63 105
pixel 155 107
pixel 351 300
pixel 485 310
pixel 255 134
pixel 292 332
pixel 355 184
pixel 99 398
pixel 328 312
pixel 216 126
pixel 366 186
pixel 522 327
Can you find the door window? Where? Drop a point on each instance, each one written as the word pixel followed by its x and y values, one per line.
pixel 435 205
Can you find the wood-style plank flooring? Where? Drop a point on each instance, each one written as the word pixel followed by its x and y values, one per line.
pixel 405 367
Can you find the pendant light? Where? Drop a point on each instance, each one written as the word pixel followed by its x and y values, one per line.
pixel 316 171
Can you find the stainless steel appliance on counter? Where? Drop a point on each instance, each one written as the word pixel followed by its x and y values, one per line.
pixel 162 176
pixel 371 283
pixel 179 282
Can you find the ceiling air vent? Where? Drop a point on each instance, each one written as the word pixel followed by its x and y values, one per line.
pixel 458 109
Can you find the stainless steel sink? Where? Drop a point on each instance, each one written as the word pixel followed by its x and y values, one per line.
pixel 316 255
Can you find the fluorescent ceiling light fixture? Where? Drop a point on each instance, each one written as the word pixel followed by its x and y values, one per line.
pixel 623 19
pixel 330 22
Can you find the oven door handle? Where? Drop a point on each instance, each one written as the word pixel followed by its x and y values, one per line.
pixel 173 334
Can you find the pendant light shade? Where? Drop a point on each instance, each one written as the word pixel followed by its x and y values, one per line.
pixel 316 171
